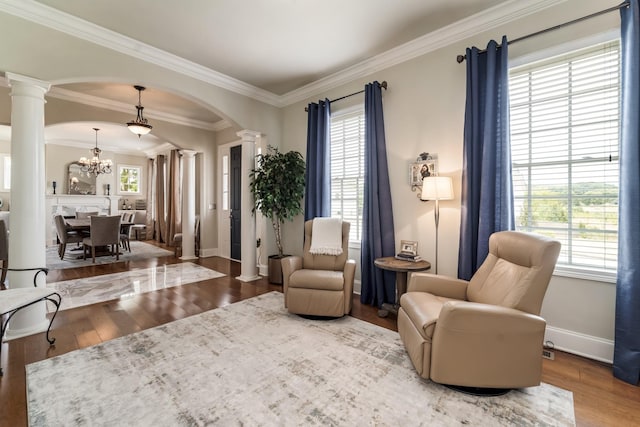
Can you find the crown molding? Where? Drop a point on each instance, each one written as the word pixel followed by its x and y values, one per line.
pixel 47 16
pixel 160 149
pixel 108 104
pixel 445 36
pixel 107 148
pixel 481 22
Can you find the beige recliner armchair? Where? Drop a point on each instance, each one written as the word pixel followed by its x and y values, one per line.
pixel 485 333
pixel 319 285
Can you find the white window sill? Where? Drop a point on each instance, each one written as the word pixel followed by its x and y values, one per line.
pixel 585 274
pixel 354 245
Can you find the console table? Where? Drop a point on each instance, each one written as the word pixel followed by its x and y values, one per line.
pixel 401 268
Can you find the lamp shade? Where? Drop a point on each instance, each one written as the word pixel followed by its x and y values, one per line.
pixel 139 128
pixel 437 188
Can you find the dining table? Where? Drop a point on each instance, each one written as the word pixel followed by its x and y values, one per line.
pixel 84 225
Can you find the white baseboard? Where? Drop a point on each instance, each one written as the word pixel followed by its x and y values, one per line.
pixel 206 253
pixel 357 287
pixel 263 269
pixel 583 345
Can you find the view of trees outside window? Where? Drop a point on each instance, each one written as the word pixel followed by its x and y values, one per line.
pixel 564 140
pixel 129 179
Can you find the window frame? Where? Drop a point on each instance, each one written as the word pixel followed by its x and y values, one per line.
pixel 6 172
pixel 356 110
pixel 121 168
pixel 569 270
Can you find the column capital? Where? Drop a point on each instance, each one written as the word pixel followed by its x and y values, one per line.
pixel 188 153
pixel 13 78
pixel 249 135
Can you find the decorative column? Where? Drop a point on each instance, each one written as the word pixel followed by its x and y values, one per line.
pixel 27 245
pixel 248 268
pixel 188 204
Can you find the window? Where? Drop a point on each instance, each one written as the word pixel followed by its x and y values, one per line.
pixel 129 179
pixel 225 182
pixel 564 142
pixel 6 172
pixel 347 169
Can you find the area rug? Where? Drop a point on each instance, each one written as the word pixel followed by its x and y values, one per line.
pixel 91 290
pixel 252 363
pixel 139 251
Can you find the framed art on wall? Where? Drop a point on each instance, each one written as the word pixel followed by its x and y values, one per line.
pixel 425 165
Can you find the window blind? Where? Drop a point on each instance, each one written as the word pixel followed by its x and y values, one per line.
pixel 347 170
pixel 564 141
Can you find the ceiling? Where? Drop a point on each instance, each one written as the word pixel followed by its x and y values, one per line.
pixel 274 46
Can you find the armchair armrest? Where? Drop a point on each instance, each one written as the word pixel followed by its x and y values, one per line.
pixel 289 265
pixel 477 318
pixel 443 286
pixel 349 276
pixel 487 346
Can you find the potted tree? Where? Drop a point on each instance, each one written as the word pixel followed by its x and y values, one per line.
pixel 277 185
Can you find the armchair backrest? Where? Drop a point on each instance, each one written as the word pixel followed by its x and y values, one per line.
pixel 105 230
pixel 516 272
pixel 325 262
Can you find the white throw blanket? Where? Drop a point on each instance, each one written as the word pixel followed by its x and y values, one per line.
pixel 326 236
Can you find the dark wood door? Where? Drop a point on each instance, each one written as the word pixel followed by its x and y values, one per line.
pixel 235 190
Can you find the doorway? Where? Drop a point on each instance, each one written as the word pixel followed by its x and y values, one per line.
pixel 235 204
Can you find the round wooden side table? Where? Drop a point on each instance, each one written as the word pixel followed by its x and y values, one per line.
pixel 401 268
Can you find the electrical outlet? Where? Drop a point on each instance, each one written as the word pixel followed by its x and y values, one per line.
pixel 258 242
pixel 548 354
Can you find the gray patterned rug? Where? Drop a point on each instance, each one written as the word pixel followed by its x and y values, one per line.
pixel 252 363
pixel 139 250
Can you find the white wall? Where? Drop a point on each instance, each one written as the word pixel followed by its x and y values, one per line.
pixel 424 111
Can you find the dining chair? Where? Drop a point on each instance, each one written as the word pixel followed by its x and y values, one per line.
pixel 140 224
pixel 125 229
pixel 82 215
pixel 104 231
pixel 65 235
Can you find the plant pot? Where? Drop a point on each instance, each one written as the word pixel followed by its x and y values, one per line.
pixel 275 269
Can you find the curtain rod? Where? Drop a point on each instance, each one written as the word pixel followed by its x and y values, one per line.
pixel 382 85
pixel 461 58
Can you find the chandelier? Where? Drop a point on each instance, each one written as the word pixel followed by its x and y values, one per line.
pixel 95 165
pixel 139 126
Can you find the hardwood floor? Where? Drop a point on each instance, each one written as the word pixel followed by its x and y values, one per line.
pixel 599 399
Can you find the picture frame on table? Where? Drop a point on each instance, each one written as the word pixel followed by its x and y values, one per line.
pixel 409 248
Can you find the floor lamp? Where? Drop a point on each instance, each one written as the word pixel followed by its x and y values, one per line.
pixel 437 188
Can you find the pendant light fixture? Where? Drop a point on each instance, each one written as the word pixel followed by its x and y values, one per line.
pixel 95 165
pixel 139 126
